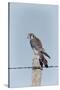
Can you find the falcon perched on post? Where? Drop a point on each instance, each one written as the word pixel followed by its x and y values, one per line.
pixel 37 46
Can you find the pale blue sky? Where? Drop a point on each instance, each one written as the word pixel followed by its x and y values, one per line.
pixel 42 20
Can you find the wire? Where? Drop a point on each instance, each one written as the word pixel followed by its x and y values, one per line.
pixel 32 67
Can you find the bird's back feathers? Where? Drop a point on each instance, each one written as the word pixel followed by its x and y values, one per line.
pixel 36 43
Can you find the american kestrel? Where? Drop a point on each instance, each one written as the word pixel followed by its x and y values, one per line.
pixel 36 45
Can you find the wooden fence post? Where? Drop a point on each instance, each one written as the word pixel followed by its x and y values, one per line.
pixel 36 73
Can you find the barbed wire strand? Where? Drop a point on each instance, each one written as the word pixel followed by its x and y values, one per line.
pixel 35 67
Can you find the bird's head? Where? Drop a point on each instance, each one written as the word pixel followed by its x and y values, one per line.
pixel 30 36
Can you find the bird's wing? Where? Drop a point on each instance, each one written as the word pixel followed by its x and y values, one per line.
pixel 39 43
pixel 43 52
pixel 36 43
